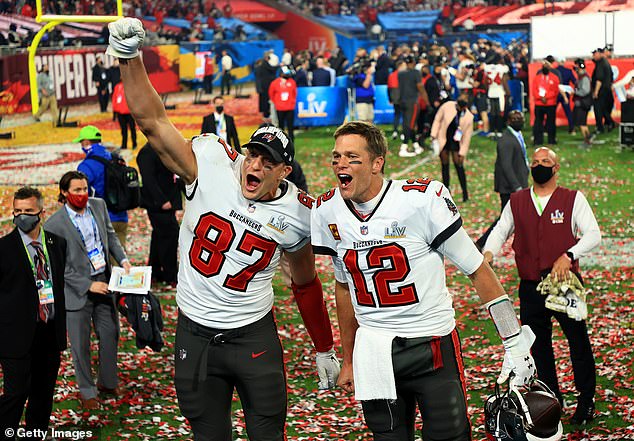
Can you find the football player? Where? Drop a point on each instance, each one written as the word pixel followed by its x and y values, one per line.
pixel 388 239
pixel 240 214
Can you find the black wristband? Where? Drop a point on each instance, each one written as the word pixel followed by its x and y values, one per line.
pixel 569 254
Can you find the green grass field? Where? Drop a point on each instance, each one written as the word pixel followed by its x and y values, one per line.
pixel 149 410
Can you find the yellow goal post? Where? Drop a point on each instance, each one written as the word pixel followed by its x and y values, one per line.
pixel 51 21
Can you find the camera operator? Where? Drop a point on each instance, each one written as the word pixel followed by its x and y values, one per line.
pixel 464 75
pixel 364 90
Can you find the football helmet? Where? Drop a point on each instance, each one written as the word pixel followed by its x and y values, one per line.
pixel 532 413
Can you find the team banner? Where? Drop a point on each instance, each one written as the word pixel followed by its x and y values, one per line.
pixel 71 70
pixel 320 106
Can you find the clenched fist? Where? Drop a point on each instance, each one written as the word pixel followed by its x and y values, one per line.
pixel 126 37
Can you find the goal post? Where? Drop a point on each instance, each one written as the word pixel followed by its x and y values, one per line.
pixel 52 20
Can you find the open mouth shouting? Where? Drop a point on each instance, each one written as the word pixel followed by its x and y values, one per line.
pixel 252 182
pixel 344 179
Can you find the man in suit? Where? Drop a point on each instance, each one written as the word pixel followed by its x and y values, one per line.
pixel 91 240
pixel 221 124
pixel 161 197
pixel 32 315
pixel 511 165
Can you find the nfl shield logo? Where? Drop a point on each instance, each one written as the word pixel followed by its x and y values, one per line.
pixel 364 230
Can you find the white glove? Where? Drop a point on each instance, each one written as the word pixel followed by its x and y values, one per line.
pixel 328 369
pixel 126 37
pixel 518 358
pixel 577 308
pixel 435 146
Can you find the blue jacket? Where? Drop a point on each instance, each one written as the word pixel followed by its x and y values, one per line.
pixel 97 177
pixel 567 77
pixel 364 95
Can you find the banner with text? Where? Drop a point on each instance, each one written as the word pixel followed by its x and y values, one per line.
pixel 71 71
pixel 320 106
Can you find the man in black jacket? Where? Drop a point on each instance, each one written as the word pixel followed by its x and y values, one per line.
pixel 602 90
pixel 32 315
pixel 511 165
pixel 221 124
pixel 101 79
pixel 264 73
pixel 161 197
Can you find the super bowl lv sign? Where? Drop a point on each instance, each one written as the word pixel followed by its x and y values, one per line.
pixel 320 106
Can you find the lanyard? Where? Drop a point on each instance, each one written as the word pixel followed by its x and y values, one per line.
pixel 540 210
pixel 94 229
pixel 31 262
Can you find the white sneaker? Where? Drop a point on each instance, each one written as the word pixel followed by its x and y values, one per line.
pixel 402 136
pixel 417 148
pixel 404 152
pixel 394 134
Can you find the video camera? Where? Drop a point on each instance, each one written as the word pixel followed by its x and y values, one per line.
pixel 360 66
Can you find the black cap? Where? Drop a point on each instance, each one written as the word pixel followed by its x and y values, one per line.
pixel 274 141
pixel 599 50
pixel 550 59
pixel 410 59
pixel 580 62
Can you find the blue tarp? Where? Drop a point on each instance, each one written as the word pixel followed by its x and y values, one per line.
pixel 383 110
pixel 409 22
pixel 230 25
pixel 178 22
pixel 243 53
pixel 344 23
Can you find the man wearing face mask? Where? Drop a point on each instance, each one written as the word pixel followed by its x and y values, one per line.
pixel 451 134
pixel 545 90
pixel 91 240
pixel 32 315
pixel 554 227
pixel 221 124
pixel 511 165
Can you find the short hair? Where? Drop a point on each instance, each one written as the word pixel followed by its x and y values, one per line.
pixel 217 97
pixel 28 193
pixel 375 138
pixel 64 182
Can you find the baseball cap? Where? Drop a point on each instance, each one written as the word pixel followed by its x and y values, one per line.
pixel 550 59
pixel 89 133
pixel 599 49
pixel 275 142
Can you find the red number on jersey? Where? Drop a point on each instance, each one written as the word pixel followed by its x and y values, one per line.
pixel 231 153
pixel 305 199
pixel 207 256
pixel 396 272
pixel 251 242
pixel 326 196
pixel 417 184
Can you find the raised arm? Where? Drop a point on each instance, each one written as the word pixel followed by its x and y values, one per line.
pixel 126 38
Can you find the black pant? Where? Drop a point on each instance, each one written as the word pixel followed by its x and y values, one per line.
pixel 225 83
pixel 534 313
pixel 397 116
pixel 603 109
pixel 538 128
pixel 286 120
pixel 32 377
pixel 504 198
pixel 410 114
pixel 210 363
pixel 104 96
pixel 208 84
pixel 164 245
pixel 263 104
pixel 126 121
pixel 439 392
pixel 497 115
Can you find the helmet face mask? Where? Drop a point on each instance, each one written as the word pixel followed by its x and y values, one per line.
pixel 507 416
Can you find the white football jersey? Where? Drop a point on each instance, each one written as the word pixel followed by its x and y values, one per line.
pixel 395 275
pixel 495 73
pixel 230 246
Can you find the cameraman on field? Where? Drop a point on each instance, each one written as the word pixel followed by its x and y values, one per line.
pixel 364 90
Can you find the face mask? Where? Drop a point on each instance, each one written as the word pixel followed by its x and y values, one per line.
pixel 517 125
pixel 545 70
pixel 26 222
pixel 219 109
pixel 462 104
pixel 78 200
pixel 541 174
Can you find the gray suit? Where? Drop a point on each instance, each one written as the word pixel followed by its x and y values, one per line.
pixel 82 306
pixel 511 171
